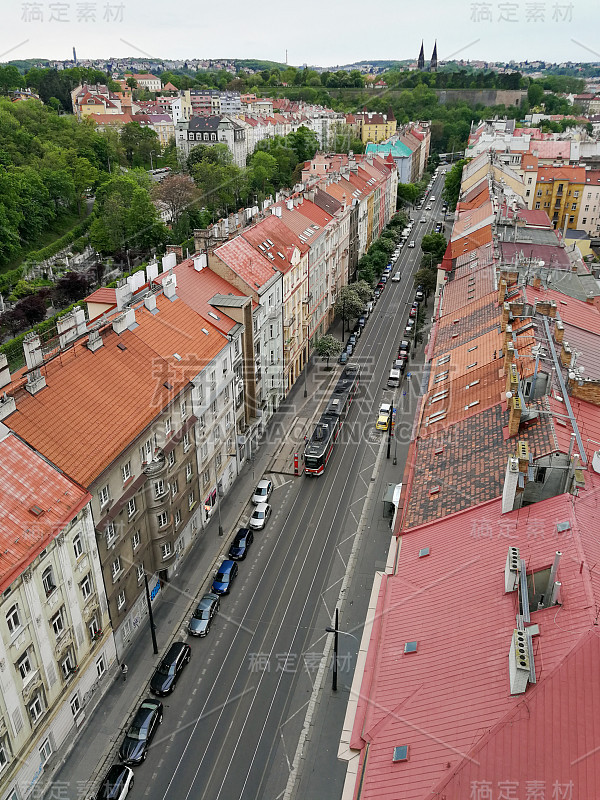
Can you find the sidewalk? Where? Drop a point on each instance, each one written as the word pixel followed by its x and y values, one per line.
pixel 93 747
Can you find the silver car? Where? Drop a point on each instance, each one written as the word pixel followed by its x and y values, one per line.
pixel 259 516
pixel 262 492
pixel 199 624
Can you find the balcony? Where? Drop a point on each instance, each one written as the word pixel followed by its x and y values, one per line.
pixel 287 323
pixel 157 465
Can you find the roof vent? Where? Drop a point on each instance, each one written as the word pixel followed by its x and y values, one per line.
pixel 36 510
pixel 400 753
pixel 518 662
pixel 424 551
pixel 94 341
pixel 511 570
pixel 410 647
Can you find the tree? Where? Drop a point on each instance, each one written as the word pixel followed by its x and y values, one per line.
pixel 407 193
pixel 32 308
pixel 451 189
pixel 131 82
pixel 138 143
pixel 328 347
pixel 262 168
pixel 177 192
pixel 427 278
pixel 363 290
pixel 348 304
pixel 71 287
pixel 535 94
pixel 434 243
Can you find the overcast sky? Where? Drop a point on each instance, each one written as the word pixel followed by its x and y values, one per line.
pixel 314 32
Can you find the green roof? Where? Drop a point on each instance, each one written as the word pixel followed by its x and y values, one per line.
pixel 397 149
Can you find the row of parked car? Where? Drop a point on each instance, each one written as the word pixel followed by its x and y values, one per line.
pixel 136 743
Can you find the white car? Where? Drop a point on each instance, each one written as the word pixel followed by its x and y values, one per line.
pixel 427 208
pixel 411 244
pixel 259 516
pixel 396 277
pixel 384 408
pixel 423 221
pixel 432 198
pixel 262 492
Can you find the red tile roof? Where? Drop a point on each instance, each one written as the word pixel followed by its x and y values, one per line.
pixel 450 701
pixel 576 312
pixel 285 242
pixel 566 173
pixel 36 502
pixel 102 295
pixel 471 241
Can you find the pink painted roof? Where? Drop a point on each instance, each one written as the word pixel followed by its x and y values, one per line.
pixel 551 149
pixel 450 700
pixel 284 241
pixel 472 220
pixel 29 482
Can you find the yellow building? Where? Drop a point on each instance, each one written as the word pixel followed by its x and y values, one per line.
pixel 376 127
pixel 559 192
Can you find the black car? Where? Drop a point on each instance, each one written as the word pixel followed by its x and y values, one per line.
pixel 241 544
pixel 352 340
pixel 166 676
pixel 139 735
pixel 116 784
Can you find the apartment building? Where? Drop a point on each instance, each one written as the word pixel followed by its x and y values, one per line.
pixel 589 208
pixel 559 191
pixel 210 131
pixel 56 644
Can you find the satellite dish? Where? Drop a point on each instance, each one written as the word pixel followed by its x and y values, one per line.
pixel 596 462
pixel 509 395
pixel 542 263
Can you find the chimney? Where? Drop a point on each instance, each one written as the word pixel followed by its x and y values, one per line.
pixel 7 406
pixel 35 381
pixel 516 307
pixel 537 282
pixel 510 355
pixel 289 203
pixel 505 316
pixel 501 291
pixel 177 249
pixel 32 348
pixel 591 299
pixel 523 455
pixel 511 479
pixel 123 294
pixel 124 321
pixel 94 341
pixel 508 334
pixel 514 416
pixel 566 355
pixel 559 332
pixel 4 371
pixel 150 303
pixel 512 380
pixel 170 287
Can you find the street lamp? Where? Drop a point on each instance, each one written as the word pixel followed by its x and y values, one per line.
pixel 152 625
pixel 219 487
pixel 335 630
pixel 152 152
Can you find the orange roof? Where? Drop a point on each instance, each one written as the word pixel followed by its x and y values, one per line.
pixel 272 237
pixel 36 502
pixel 471 241
pixel 95 404
pixel 102 295
pixel 566 173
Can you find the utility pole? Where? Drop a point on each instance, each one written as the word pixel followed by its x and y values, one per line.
pixel 152 625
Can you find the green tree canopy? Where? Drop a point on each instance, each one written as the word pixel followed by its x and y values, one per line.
pixel 328 347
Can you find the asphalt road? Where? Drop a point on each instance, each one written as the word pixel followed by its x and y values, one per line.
pixel 231 727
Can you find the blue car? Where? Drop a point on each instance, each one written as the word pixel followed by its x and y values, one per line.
pixel 224 577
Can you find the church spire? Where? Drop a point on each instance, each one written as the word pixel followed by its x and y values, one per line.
pixel 433 65
pixel 421 61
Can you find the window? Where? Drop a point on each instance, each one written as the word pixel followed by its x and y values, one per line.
pixel 225 367
pixel 135 540
pixel 191 500
pixel 94 629
pixel 75 705
pixel 174 488
pixel 537 205
pixel 110 534
pixel 126 471
pixel 204 451
pixel 13 620
pixel 177 517
pixel 24 665
pixel 86 586
pixel 202 422
pixel 48 581
pixel 36 708
pixel 3 756
pixel 58 623
pixel 168 427
pixel 188 472
pixel 116 568
pixel 131 507
pixel 77 546
pixel 146 452
pixel 218 461
pixel 226 393
pixel 228 420
pixel 45 750
pixel 214 408
pixel 68 665
pixel 183 409
pixel 121 600
pixel 186 442
pixel 576 193
pixel 140 572
pixel 213 381
pixel 171 458
pixel 587 208
pixel 159 488
pixel 539 193
pixel 163 519
pixel 101 666
pixel 571 219
pixel 103 496
pixel 166 550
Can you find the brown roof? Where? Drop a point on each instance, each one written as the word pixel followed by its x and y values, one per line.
pixel 467 323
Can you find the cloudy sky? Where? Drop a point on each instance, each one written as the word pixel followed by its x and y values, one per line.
pixel 314 32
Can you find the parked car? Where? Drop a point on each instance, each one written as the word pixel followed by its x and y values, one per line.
pixel 380 287
pixel 419 296
pixel 357 331
pixel 349 349
pixel 427 208
pixel 117 783
pixel 432 198
pixel 400 364
pixel 199 624
pixel 362 321
pixel 167 674
pixel 412 313
pixel 260 516
pixel 410 322
pixel 377 293
pixel 383 279
pixel 148 717
pixel 422 220
pixel 343 357
pixel 226 574
pixel 387 270
pixel 404 348
pixel 241 544
pixel 411 243
pixel 262 492
pixel 383 420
